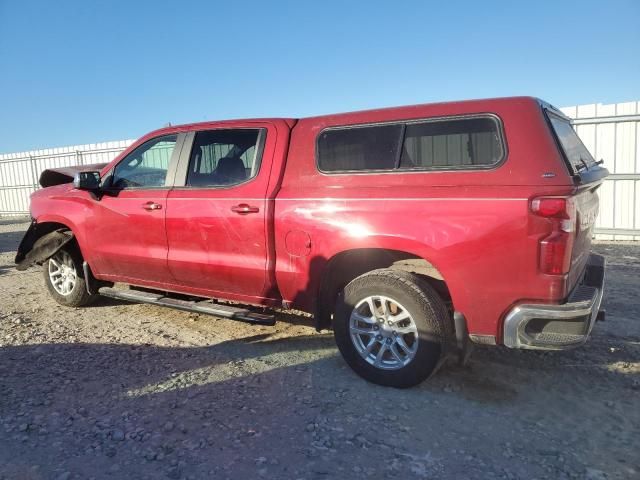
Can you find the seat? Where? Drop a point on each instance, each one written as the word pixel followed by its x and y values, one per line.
pixel 230 170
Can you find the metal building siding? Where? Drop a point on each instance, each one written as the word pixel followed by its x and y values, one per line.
pixel 19 172
pixel 610 132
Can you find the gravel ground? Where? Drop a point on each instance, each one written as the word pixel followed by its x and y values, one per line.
pixel 120 390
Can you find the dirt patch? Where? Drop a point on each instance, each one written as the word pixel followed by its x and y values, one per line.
pixel 121 390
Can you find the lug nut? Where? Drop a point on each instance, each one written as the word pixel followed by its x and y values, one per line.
pixel 378 337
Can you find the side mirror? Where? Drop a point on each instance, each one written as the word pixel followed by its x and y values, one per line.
pixel 87 180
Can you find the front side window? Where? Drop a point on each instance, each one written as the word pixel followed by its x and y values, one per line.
pixel 457 143
pixel 225 157
pixel 147 165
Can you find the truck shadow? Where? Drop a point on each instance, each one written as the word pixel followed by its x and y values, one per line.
pixel 283 316
pixel 16 221
pixel 498 375
pixel 102 302
pixel 85 407
pixel 259 372
pixel 9 241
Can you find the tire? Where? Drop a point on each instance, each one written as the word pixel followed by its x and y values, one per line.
pixel 412 347
pixel 73 294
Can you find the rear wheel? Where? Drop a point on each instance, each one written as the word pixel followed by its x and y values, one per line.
pixel 392 327
pixel 65 280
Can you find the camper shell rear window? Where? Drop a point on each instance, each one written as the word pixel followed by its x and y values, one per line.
pixel 576 154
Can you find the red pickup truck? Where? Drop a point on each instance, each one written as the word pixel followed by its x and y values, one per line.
pixel 409 231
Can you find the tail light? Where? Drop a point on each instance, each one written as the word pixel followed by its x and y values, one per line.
pixel 555 248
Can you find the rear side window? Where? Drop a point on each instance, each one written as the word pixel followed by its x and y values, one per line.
pixel 359 148
pixel 225 157
pixel 455 143
pixel 460 143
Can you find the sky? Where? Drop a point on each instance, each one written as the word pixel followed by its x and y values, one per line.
pixel 91 71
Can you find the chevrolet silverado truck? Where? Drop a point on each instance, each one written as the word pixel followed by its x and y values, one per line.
pixel 411 232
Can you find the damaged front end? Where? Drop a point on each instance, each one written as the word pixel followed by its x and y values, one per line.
pixel 40 243
pixel 43 240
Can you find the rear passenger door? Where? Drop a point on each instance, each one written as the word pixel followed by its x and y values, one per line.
pixel 216 216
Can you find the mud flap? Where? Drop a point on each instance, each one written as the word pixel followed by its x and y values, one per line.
pixel 37 250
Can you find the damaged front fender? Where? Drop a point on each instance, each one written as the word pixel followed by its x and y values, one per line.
pixel 37 246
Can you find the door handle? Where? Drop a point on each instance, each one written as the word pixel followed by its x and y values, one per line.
pixel 244 209
pixel 151 206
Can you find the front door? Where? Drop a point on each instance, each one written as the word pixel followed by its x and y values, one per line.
pixel 217 221
pixel 127 228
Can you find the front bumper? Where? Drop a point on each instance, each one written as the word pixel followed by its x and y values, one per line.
pixel 555 327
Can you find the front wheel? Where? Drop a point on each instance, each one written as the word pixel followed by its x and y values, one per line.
pixel 65 280
pixel 392 327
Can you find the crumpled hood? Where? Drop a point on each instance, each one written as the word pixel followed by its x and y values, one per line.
pixel 57 176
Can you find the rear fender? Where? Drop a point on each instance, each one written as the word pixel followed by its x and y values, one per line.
pixel 36 247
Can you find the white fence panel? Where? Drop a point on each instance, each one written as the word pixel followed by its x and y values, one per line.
pixel 19 172
pixel 610 132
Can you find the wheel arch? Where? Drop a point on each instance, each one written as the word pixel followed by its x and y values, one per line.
pixel 347 265
pixel 42 240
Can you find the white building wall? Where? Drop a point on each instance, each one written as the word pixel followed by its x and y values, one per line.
pixel 19 172
pixel 610 132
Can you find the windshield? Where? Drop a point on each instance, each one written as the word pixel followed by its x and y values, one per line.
pixel 577 154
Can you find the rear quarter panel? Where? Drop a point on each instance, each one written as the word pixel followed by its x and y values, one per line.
pixel 473 226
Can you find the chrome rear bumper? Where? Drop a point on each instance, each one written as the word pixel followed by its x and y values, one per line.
pixel 555 327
